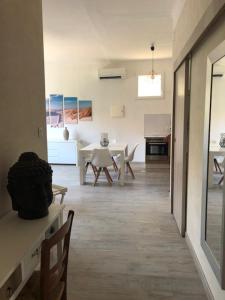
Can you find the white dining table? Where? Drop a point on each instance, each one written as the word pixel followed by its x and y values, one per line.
pixel 115 149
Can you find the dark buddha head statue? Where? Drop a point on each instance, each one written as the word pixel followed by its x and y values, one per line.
pixel 30 186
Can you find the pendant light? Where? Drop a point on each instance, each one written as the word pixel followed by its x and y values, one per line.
pixel 152 74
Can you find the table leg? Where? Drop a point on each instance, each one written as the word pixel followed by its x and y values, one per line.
pixel 82 169
pixel 62 198
pixel 126 151
pixel 122 168
pixel 210 170
pixel 126 154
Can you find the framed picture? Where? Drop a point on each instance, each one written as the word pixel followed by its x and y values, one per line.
pixel 56 111
pixel 70 110
pixel 117 111
pixel 85 110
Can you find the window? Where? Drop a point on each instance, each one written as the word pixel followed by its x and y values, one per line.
pixel 150 87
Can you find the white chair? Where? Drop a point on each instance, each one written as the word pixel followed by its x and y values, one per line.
pixel 113 141
pixel 101 160
pixel 128 159
pixel 88 159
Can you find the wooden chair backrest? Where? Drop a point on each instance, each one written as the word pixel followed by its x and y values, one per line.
pixel 53 280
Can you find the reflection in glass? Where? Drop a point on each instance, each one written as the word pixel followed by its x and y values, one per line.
pixel 216 160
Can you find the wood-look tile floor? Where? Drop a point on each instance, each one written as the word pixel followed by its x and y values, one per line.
pixel 125 244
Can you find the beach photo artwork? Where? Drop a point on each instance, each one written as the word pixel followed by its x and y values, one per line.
pixel 56 111
pixel 70 110
pixel 47 111
pixel 85 110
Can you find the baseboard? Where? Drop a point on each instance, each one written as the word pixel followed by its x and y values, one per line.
pixel 199 268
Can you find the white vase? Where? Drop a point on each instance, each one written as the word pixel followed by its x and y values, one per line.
pixel 66 134
pixel 222 140
pixel 104 141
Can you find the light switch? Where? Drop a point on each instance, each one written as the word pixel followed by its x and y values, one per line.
pixel 40 132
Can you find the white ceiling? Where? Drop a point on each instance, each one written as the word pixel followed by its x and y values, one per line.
pixel 108 29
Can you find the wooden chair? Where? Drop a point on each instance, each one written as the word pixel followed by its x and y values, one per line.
pixel 50 283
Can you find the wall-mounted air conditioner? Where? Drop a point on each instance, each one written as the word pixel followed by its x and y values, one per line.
pixel 113 73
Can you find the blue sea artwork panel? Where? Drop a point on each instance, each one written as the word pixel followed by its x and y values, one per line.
pixel 47 109
pixel 85 110
pixel 56 110
pixel 70 110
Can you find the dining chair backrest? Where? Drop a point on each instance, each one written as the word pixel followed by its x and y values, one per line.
pixel 53 279
pixel 102 158
pixel 131 154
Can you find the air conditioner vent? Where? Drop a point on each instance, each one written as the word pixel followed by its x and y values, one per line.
pixel 114 73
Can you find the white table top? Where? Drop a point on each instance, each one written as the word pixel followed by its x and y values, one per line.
pixel 62 141
pixel 215 148
pixel 18 237
pixel 111 147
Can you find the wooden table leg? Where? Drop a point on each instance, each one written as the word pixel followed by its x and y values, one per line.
pixel 122 168
pixel 82 169
pixel 210 170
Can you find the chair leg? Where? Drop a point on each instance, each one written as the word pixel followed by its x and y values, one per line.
pixel 130 169
pixel 94 169
pixel 86 167
pixel 107 175
pixel 215 165
pixel 119 174
pixel 107 171
pixel 64 295
pixel 221 180
pixel 96 177
pixel 218 167
pixel 114 164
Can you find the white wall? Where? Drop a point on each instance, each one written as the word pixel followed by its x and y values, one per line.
pixel 80 79
pixel 192 11
pixel 22 91
pixel 158 125
pixel 195 167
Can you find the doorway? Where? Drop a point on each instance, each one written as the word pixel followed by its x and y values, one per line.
pixel 180 141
